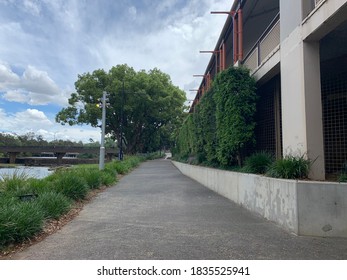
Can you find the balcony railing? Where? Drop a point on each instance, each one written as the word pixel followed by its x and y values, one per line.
pixel 265 45
pixel 310 5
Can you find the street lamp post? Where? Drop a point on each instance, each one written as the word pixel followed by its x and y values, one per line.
pixel 120 156
pixel 102 144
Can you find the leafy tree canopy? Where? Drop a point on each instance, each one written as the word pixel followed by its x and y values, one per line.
pixel 151 106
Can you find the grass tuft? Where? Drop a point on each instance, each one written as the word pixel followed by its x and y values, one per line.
pixel 19 221
pixel 53 204
pixel 258 163
pixel 342 178
pixel 290 167
pixel 93 176
pixel 71 185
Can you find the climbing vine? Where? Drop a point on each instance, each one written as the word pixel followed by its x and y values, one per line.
pixel 222 125
pixel 235 98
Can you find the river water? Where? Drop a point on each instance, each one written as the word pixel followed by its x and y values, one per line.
pixel 33 172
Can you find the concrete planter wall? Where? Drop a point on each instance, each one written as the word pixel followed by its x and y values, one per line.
pixel 302 207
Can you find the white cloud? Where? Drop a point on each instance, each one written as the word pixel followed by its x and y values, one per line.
pixel 23 120
pixel 132 12
pixel 16 96
pixel 32 7
pixel 34 87
pixel 33 116
pixel 165 5
pixel 38 81
pixel 7 77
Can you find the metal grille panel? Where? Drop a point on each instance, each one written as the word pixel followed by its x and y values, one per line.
pixel 270 42
pixel 334 102
pixel 268 131
pixel 252 61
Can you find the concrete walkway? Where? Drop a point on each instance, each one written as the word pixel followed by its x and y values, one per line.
pixel 157 213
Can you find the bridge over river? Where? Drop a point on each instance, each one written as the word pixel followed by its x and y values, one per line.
pixel 58 151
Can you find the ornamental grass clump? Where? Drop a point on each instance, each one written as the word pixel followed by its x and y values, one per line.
pixel 19 221
pixel 92 176
pixel 342 178
pixel 71 185
pixel 290 167
pixel 39 186
pixel 13 182
pixel 108 177
pixel 53 204
pixel 258 163
pixel 122 167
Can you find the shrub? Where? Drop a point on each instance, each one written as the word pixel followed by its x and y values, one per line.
pixel 343 175
pixel 91 175
pixel 258 163
pixel 343 178
pixel 110 169
pixel 290 167
pixel 132 162
pixel 19 221
pixel 121 167
pixel 39 186
pixel 152 156
pixel 108 177
pixel 53 204
pixel 13 182
pixel 71 185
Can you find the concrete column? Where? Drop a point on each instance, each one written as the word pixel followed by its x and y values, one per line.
pixel 314 109
pixel 301 101
pixel 60 158
pixel 13 156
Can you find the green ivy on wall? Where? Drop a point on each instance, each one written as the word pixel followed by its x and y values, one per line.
pixel 222 124
pixel 235 97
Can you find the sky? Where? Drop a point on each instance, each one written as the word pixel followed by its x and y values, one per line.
pixel 46 44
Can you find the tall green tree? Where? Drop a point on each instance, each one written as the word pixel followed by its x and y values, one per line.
pixel 147 103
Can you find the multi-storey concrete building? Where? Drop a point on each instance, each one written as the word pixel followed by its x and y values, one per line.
pixel 297 51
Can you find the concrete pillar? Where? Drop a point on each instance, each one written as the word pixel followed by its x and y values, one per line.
pixel 60 158
pixel 13 156
pixel 301 100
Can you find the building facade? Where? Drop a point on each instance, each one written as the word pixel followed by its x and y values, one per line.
pixel 297 52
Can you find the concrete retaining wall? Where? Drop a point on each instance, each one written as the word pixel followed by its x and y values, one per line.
pixel 302 207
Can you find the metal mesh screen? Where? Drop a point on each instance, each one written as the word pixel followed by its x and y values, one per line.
pixel 334 102
pixel 252 61
pixel 268 129
pixel 270 42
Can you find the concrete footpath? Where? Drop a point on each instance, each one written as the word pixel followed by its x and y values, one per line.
pixel 157 213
